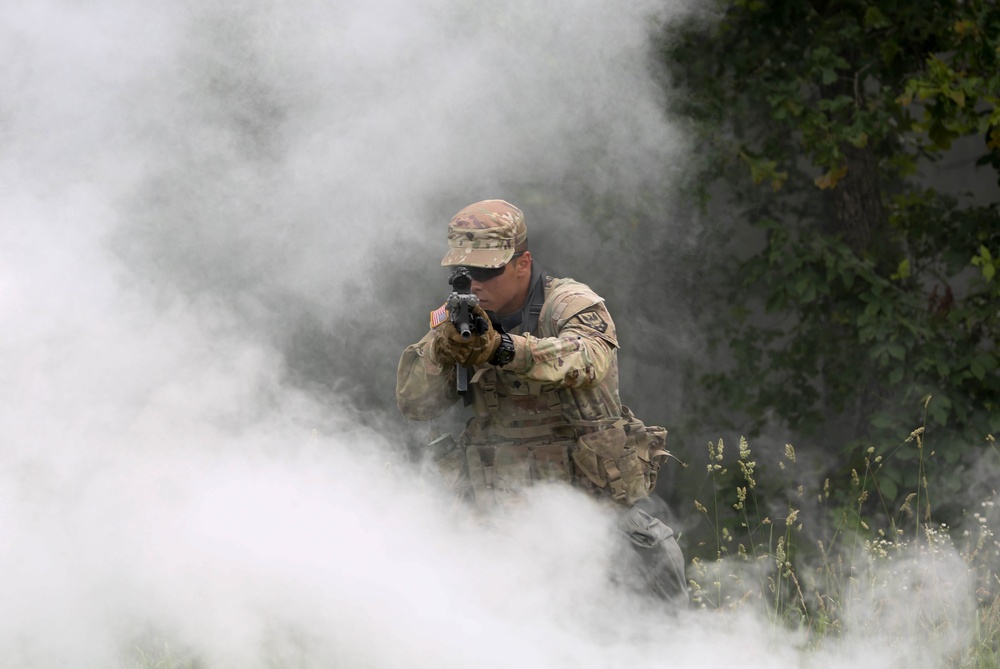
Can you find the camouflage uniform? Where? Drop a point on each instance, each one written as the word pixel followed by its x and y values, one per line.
pixel 553 413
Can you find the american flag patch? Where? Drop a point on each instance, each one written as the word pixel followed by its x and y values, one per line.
pixel 438 316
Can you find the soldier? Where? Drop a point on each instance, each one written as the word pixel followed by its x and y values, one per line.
pixel 543 386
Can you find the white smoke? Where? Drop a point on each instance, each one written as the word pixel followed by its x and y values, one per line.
pixel 170 175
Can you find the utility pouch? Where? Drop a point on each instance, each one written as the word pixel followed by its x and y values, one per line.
pixel 501 474
pixel 653 444
pixel 608 458
pixel 650 443
pixel 512 466
pixel 450 463
pixel 441 446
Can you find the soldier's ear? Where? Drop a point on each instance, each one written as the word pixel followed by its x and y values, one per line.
pixel 524 263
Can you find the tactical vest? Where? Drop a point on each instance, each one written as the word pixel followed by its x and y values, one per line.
pixel 524 432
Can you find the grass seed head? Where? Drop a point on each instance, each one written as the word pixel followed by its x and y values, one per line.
pixel 789 453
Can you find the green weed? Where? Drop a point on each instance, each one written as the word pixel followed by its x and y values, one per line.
pixel 830 569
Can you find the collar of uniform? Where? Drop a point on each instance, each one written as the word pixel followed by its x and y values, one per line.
pixel 525 316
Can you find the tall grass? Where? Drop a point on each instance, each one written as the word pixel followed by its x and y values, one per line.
pixel 158 654
pixel 827 569
pixel 830 571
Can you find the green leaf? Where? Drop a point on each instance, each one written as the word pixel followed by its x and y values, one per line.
pixel 831 178
pixel 903 271
pixel 965 27
pixel 939 409
pixel 848 278
pixel 802 286
pixel 983 363
pixel 860 140
pixel 838 314
pixel 951 455
pixel 888 488
pixel 881 420
pixel 995 423
pixel 875 18
pixel 985 262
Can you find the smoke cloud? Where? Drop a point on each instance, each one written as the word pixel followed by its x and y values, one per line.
pixel 216 227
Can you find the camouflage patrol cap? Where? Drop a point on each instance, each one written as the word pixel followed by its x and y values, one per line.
pixel 485 234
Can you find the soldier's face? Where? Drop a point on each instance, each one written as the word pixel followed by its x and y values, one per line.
pixel 505 294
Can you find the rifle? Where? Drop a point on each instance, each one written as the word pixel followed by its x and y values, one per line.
pixel 460 304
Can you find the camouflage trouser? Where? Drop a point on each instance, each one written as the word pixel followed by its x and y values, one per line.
pixel 659 568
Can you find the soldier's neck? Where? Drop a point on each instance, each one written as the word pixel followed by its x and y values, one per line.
pixel 522 315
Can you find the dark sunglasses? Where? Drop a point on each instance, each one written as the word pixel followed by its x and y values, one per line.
pixel 482 274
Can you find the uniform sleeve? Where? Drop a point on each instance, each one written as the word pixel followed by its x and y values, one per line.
pixel 578 357
pixel 424 389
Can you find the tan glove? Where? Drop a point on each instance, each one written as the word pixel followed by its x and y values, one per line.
pixel 449 348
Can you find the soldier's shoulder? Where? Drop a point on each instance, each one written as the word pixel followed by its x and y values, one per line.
pixel 565 298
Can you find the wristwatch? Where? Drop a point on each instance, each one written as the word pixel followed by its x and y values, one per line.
pixel 504 352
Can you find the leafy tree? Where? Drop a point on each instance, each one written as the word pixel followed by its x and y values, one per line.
pixel 869 291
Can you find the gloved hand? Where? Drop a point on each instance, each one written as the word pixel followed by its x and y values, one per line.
pixel 449 348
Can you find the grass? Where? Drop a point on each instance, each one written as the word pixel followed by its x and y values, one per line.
pixel 159 655
pixel 890 575
pixel 829 569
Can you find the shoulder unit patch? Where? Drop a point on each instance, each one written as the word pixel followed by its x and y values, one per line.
pixel 594 321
